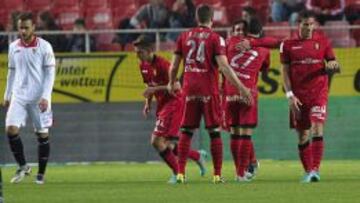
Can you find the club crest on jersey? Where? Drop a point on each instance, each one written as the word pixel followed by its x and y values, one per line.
pixel 34 50
pixel 317 46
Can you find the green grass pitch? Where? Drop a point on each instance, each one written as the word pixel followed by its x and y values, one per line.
pixel 277 181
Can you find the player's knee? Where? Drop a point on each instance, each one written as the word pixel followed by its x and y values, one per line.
pixel 303 136
pixel 317 130
pixel 246 131
pixel 153 141
pixel 235 130
pixel 318 133
pixel 12 130
pixel 158 143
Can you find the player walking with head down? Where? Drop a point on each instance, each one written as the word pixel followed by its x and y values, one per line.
pixel 306 60
pixel 155 72
pixel 30 81
pixel 203 52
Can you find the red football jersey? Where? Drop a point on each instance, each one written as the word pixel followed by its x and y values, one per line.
pixel 246 64
pixel 306 58
pixel 198 47
pixel 156 73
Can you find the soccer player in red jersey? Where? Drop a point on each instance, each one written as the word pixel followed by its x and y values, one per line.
pixel 306 60
pixel 155 72
pixel 240 117
pixel 203 52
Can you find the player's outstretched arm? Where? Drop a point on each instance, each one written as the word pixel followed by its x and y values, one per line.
pixel 231 76
pixel 174 69
pixel 267 42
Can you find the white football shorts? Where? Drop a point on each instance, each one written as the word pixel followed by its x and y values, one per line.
pixel 19 111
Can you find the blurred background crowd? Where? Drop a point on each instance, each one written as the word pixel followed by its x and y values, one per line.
pixel 82 15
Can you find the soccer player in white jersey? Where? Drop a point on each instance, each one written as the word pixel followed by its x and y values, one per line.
pixel 29 85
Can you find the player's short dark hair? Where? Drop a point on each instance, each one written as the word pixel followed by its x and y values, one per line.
pixel 254 27
pixel 250 10
pixel 80 21
pixel 305 15
pixel 240 21
pixel 204 13
pixel 143 42
pixel 25 16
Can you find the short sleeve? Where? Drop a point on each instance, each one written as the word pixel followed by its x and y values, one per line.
pixel 220 45
pixel 49 56
pixel 284 53
pixel 179 43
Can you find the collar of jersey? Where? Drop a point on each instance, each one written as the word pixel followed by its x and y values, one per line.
pixel 203 26
pixel 33 43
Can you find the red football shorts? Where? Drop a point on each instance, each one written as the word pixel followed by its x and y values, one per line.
pixel 239 114
pixel 310 113
pixel 169 119
pixel 196 106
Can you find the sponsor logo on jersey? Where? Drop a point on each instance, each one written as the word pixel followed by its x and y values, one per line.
pixel 297 47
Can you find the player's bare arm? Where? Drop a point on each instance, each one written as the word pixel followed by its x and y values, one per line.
pixel 294 102
pixel 228 72
pixel 147 106
pixel 174 68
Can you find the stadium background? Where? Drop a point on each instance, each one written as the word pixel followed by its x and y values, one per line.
pixel 97 103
